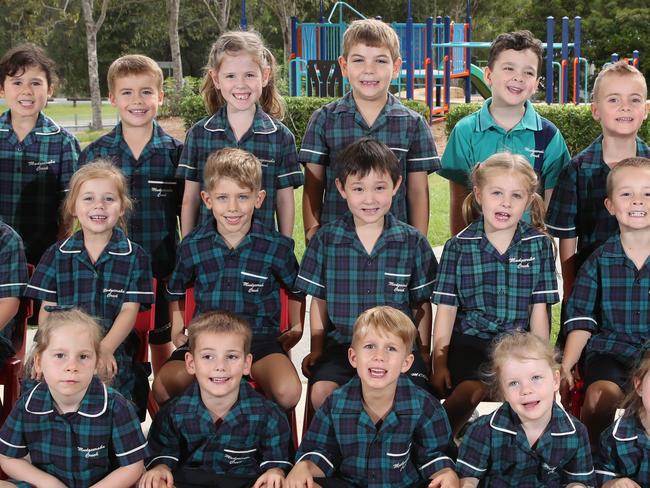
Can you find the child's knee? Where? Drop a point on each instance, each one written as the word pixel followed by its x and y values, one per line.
pixel 287 394
pixel 320 391
pixel 603 396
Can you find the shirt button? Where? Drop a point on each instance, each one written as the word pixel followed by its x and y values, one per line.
pixel 19 147
pixel 368 291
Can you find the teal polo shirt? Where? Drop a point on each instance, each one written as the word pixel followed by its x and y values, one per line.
pixel 477 137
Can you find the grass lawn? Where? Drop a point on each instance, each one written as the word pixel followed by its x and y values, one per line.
pixel 64 113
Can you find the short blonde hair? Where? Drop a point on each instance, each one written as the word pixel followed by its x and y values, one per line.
pixel 236 164
pixel 98 169
pixel 636 162
pixel 134 64
pixel 219 322
pixel 386 320
pixel 517 345
pixel 373 33
pixel 620 68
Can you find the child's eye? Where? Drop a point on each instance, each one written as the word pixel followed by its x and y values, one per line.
pixel 530 73
pixel 357 189
pixel 232 357
pixel 507 68
pixel 496 192
pixel 251 75
pixel 518 196
pixel 84 356
pixel 110 199
pixel 381 188
pixel 612 99
pixel 391 348
pixel 243 198
pixel 87 199
pixel 230 76
pixel 59 355
pixel 147 92
pixel 207 357
pixel 537 377
pixel 369 346
pixel 513 384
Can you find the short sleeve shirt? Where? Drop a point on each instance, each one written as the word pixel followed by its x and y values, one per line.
pixel 34 173
pixel 245 280
pixel 252 438
pixel 78 448
pixel 478 136
pixel 336 267
pixel 495 450
pixel 610 299
pixel 13 276
pixel 268 139
pixel 153 186
pixel 411 444
pixel 336 125
pixel 577 208
pixel 624 452
pixel 493 291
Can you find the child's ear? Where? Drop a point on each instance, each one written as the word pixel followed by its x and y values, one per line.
pixel 266 75
pixel 487 75
pixel 352 357
pixel 37 364
pixel 397 185
pixel 636 382
pixel 161 98
pixel 205 196
pixel 477 194
pixel 340 188
pixel 214 76
pixel 408 361
pixel 594 111
pixel 609 206
pixel 343 63
pixel 261 195
pixel 248 361
pixel 556 380
pixel 111 98
pixel 397 65
pixel 189 363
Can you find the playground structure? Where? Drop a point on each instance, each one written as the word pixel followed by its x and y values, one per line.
pixel 433 53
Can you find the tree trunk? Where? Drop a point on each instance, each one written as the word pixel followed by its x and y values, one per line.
pixel 92 28
pixel 173 8
pixel 283 10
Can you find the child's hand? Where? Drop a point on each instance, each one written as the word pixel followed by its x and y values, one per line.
pixel 159 476
pixel 621 483
pixel 445 478
pixel 272 478
pixel 309 361
pixel 106 364
pixel 179 340
pixel 567 383
pixel 441 381
pixel 290 338
pixel 300 477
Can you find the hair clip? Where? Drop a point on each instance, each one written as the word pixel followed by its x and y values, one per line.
pixel 58 308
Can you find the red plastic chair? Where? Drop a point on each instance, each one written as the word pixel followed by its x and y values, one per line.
pixel 11 372
pixel 144 323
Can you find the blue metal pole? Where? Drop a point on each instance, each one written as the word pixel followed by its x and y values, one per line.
pixel 614 57
pixel 322 47
pixel 577 39
pixel 294 55
pixel 409 53
pixel 447 61
pixel 429 55
pixel 437 60
pixel 243 23
pixel 550 27
pixel 636 60
pixel 468 54
pixel 565 58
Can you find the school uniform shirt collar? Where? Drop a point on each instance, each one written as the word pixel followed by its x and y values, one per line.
pixel 402 405
pixel 628 428
pixel 118 245
pixel 347 232
pixel 94 403
pixel 159 138
pixel 476 231
pixel 209 230
pixel 506 421
pixel 393 107
pixel 530 121
pixel 262 122
pixel 44 126
pixel 191 403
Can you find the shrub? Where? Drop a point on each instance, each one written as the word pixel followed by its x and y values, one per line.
pixel 172 103
pixel 574 122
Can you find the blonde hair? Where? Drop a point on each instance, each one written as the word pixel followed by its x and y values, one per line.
pixel 133 64
pixel 54 321
pixel 506 162
pixel 636 162
pixel 520 345
pixel 386 320
pixel 632 403
pixel 620 68
pixel 231 44
pixel 98 169
pixel 373 33
pixel 238 165
pixel 219 322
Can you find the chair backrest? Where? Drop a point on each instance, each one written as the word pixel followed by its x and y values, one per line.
pixel 145 322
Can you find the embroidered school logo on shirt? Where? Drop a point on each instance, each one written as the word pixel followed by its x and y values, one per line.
pixel 112 292
pixel 522 262
pixel 41 165
pixel 534 153
pixel 91 452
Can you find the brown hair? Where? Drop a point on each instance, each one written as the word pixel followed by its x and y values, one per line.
pixel 386 320
pixel 18 58
pixel 57 319
pixel 236 164
pixel 219 322
pixel 506 162
pixel 365 155
pixel 620 68
pixel 632 403
pixel 232 44
pixel 98 169
pixel 636 162
pixel 373 33
pixel 517 41
pixel 133 64
pixel 518 345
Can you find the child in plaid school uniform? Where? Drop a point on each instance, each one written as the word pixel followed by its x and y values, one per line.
pixel 496 275
pixel 98 269
pixel 530 440
pixel 608 313
pixel 37 157
pixel 236 263
pixel 77 431
pixel 379 429
pixel 219 433
pixel 240 93
pixel 148 158
pixel 623 460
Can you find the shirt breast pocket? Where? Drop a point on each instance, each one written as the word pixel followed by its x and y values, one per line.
pixel 396 289
pixel 161 188
pixel 237 458
pixel 398 461
pixel 254 287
